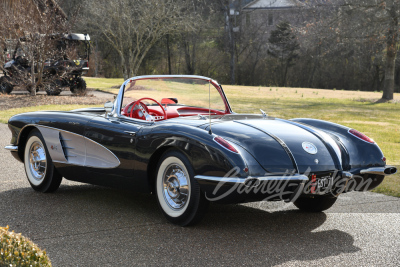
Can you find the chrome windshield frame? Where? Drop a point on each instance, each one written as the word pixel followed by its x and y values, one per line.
pixel 116 111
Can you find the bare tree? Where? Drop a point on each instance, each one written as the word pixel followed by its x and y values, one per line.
pixel 33 31
pixel 133 27
pixel 368 26
pixel 284 47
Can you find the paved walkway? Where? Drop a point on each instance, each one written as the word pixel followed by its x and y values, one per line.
pixel 99 94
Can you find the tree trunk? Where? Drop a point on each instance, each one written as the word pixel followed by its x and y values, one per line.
pixel 311 78
pixel 132 70
pixel 96 68
pixel 186 47
pixel 283 72
pixel 388 86
pixel 231 43
pixel 194 55
pixel 375 79
pixel 169 56
pixel 33 90
pixel 124 67
pixel 286 72
pixel 391 53
pixel 315 65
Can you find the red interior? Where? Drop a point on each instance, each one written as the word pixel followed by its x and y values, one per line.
pixel 173 111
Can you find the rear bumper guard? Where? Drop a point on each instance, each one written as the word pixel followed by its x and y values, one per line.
pixel 12 148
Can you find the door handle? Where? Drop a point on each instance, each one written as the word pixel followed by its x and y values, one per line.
pixel 130 133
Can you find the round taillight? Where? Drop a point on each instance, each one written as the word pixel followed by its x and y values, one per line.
pixel 221 141
pixel 361 136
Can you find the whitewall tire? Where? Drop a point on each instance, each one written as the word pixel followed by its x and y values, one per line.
pixel 39 167
pixel 178 194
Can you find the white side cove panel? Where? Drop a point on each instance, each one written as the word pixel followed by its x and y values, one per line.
pixel 99 156
pixel 74 149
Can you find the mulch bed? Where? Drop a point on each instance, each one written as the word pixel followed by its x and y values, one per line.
pixel 18 101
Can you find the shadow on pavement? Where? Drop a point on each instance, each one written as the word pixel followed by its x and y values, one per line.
pixel 78 222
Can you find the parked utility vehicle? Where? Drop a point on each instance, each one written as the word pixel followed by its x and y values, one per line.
pixel 69 61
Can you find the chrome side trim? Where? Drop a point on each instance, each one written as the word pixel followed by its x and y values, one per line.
pixel 295 177
pixel 12 148
pixel 220 179
pixel 388 170
pixel 130 133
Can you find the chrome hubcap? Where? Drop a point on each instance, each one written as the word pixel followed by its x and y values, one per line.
pixel 176 187
pixel 37 161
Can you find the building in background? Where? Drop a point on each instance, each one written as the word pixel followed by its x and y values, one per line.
pixel 268 13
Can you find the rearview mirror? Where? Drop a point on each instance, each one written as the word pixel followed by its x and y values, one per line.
pixel 108 106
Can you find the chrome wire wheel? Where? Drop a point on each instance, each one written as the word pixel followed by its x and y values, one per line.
pixel 176 186
pixel 37 162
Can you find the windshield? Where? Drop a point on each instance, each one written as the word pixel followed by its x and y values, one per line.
pixel 180 96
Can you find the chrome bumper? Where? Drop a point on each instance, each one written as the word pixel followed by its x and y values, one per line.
pixel 295 177
pixel 12 148
pixel 387 170
pixel 235 190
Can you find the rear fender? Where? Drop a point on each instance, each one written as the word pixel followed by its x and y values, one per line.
pixel 360 154
pixel 205 155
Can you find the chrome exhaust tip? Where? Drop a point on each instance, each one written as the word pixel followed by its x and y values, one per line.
pixel 390 170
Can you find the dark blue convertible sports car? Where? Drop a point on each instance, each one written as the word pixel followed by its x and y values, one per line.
pixel 178 137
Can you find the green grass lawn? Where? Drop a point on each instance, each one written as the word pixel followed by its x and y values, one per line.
pixel 104 84
pixel 350 108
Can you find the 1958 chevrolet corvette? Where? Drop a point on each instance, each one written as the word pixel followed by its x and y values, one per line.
pixel 191 148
